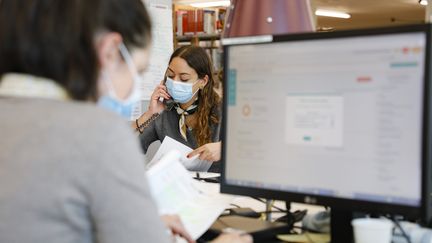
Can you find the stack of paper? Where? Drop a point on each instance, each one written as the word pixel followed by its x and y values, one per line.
pixel 176 192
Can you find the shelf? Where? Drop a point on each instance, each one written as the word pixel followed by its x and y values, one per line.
pixel 201 37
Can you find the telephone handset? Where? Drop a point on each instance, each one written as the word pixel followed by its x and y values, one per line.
pixel 169 104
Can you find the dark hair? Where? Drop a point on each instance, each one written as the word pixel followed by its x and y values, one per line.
pixel 209 101
pixel 55 38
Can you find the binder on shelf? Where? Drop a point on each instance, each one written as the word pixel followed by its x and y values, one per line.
pixel 181 22
pixel 199 14
pixel 209 21
pixel 190 27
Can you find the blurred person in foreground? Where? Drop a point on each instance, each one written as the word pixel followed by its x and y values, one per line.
pixel 69 170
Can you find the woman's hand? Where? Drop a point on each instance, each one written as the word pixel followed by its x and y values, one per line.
pixel 155 105
pixel 174 223
pixel 210 152
pixel 233 238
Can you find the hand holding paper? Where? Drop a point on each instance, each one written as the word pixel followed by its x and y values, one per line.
pixel 192 163
pixel 208 152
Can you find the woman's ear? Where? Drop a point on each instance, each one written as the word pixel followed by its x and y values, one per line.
pixel 107 48
pixel 204 82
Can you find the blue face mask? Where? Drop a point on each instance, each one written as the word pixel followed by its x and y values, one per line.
pixel 179 91
pixel 121 108
pixel 111 101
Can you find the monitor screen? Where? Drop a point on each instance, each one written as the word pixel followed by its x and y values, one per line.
pixel 327 117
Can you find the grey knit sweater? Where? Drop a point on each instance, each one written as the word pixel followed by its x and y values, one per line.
pixel 71 172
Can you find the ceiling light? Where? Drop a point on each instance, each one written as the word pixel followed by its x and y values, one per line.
pixel 334 14
pixel 224 3
pixel 423 2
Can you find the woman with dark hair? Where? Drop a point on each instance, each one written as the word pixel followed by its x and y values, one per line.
pixel 70 171
pixel 195 116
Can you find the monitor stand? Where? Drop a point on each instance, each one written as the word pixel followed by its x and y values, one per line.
pixel 340 223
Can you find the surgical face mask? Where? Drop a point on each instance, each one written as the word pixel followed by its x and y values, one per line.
pixel 179 91
pixel 111 101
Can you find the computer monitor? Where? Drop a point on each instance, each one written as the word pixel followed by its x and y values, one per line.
pixel 338 119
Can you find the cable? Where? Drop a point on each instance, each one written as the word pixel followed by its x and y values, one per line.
pixel 292 217
pixel 273 211
pixel 404 234
pixel 263 201
pixel 235 205
pixel 215 179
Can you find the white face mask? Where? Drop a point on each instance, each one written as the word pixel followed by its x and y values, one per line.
pixel 111 101
pixel 179 91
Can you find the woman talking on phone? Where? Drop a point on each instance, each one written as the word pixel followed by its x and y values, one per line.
pixel 190 111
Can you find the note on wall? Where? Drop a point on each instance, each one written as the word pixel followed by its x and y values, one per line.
pixel 161 49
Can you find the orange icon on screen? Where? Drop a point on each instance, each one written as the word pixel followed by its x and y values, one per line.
pixel 417 49
pixel 246 110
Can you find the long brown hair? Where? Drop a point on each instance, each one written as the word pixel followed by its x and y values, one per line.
pixel 209 100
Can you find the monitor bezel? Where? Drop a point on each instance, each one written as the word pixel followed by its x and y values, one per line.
pixel 422 212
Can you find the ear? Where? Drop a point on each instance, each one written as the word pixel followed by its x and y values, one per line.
pixel 204 82
pixel 107 49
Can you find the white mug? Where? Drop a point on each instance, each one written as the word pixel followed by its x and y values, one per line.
pixel 367 230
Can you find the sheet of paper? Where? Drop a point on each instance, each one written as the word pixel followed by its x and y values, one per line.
pixel 161 49
pixel 176 192
pixel 170 144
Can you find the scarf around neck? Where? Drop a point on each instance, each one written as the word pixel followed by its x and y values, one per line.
pixel 183 113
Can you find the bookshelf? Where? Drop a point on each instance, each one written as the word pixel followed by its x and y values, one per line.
pixel 192 21
pixel 201 27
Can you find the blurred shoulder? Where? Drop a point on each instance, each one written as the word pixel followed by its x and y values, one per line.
pixel 89 115
pixel 71 118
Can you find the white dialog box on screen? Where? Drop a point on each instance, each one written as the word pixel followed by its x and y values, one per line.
pixel 315 120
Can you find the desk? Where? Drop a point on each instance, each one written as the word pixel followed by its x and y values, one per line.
pixel 254 204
